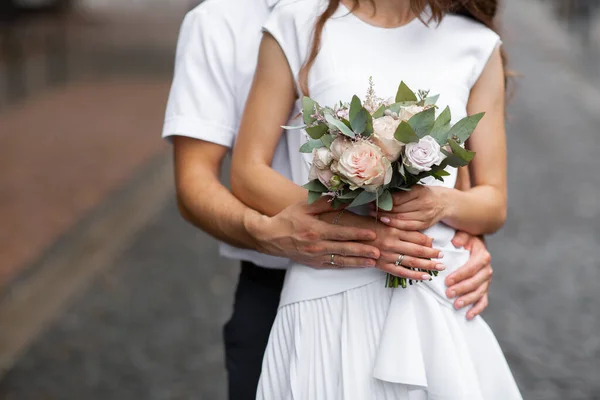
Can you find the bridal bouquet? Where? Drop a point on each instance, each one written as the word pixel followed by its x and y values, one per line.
pixel 365 151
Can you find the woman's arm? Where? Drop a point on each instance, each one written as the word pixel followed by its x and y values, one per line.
pixel 480 209
pixel 270 102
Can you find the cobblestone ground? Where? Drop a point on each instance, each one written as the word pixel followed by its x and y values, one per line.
pixel 150 326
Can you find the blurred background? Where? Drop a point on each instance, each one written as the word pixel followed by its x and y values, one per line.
pixel 105 293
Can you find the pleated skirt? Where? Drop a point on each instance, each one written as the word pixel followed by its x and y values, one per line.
pixel 327 348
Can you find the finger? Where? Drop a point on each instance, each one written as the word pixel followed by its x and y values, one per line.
pixel 347 249
pixel 404 197
pixel 412 225
pixel 479 259
pixel 415 237
pixel 461 239
pixel 471 297
pixel 478 307
pixel 395 247
pixel 404 216
pixel 481 278
pixel 344 233
pixel 404 272
pixel 413 262
pixel 413 205
pixel 346 262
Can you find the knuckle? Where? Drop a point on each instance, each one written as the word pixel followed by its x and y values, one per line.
pixel 487 258
pixel 310 236
pixel 314 249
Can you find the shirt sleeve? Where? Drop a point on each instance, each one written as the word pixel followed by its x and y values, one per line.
pixel 201 102
pixel 285 24
pixel 487 42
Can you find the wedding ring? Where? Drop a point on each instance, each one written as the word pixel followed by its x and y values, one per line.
pixel 399 260
pixel 332 262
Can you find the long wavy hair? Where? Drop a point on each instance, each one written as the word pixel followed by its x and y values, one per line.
pixel 483 11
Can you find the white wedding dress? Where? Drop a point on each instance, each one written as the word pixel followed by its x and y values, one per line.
pixel 340 334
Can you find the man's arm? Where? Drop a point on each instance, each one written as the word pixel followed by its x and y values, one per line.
pixel 294 233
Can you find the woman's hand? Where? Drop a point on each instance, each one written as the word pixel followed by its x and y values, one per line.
pixel 392 243
pixel 418 209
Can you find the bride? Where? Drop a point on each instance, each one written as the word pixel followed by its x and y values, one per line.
pixel 340 334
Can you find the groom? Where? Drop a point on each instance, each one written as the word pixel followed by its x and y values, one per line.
pixel 215 62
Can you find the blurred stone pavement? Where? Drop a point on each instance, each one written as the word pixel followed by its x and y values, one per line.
pixel 107 294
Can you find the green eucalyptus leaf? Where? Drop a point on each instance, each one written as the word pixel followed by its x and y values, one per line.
pixel 453 160
pixel 379 113
pixel 369 128
pixel 308 109
pixel 338 203
pixel 316 186
pixel 310 145
pixel 313 196
pixel 385 201
pixel 405 94
pixel 431 100
pixel 350 195
pixel 317 131
pixel 363 198
pixel 440 174
pixel 327 140
pixel 463 153
pixel 355 107
pixel 422 123
pixel 340 126
pixel 441 127
pixel 461 131
pixel 359 122
pixel 405 133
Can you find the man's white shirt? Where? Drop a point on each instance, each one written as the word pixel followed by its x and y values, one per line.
pixel 214 67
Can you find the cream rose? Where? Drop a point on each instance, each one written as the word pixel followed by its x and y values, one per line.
pixel 383 136
pixel 364 166
pixel 407 113
pixel 338 146
pixel 322 157
pixel 324 176
pixel 422 155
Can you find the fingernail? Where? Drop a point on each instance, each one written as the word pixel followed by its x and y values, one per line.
pixel 440 267
pixel 440 255
pixel 452 294
pixel 460 304
pixel 426 277
pixel 386 220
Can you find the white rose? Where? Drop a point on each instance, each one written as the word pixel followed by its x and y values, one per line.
pixel 338 146
pixel 422 155
pixel 324 176
pixel 383 136
pixel 407 112
pixel 322 157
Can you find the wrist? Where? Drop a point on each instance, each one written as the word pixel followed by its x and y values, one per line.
pixel 254 224
pixel 445 195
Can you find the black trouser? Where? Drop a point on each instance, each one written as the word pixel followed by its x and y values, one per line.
pixel 247 332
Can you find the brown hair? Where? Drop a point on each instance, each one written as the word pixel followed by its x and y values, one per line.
pixel 483 11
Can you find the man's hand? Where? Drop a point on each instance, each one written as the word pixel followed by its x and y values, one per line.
pixel 470 283
pixel 296 233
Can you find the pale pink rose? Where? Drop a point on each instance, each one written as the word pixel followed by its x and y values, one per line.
pixel 422 155
pixel 338 146
pixel 322 157
pixel 323 175
pixel 383 136
pixel 364 166
pixel 407 113
pixel 334 167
